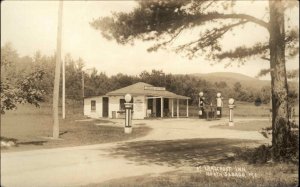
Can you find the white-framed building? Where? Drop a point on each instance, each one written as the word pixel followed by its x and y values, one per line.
pixel 148 101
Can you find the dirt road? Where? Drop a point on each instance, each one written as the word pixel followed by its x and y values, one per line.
pixel 75 166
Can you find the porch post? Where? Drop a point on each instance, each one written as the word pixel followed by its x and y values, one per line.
pixel 187 107
pixel 162 107
pixel 172 113
pixel 177 108
pixel 154 107
pixel 146 102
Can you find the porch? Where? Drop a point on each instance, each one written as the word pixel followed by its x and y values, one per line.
pixel 166 107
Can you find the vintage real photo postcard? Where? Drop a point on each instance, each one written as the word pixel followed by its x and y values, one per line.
pixel 149 93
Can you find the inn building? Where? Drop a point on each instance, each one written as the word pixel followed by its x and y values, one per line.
pixel 148 102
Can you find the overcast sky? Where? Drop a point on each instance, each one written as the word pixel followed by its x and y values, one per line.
pixel 32 25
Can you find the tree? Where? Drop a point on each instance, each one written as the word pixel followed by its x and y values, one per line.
pixel 157 77
pixel 221 84
pixel 17 85
pixel 9 59
pixel 164 21
pixel 74 69
pixel 265 94
pixel 237 87
pixel 23 91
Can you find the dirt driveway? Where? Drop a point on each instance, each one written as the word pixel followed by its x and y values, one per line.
pixel 82 165
pixel 187 128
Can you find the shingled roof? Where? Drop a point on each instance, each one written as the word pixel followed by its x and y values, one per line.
pixel 139 88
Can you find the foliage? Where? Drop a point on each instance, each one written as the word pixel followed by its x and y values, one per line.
pixel 165 21
pixel 17 85
pixel 25 91
pixel 98 83
pixel 291 74
pixel 262 154
pixel 73 69
pixel 259 155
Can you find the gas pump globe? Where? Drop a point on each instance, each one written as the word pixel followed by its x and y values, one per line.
pixel 128 98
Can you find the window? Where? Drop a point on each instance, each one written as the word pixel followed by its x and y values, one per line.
pixel 93 105
pixel 122 103
pixel 150 104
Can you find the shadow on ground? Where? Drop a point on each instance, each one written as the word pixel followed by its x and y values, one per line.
pixel 186 152
pixel 40 143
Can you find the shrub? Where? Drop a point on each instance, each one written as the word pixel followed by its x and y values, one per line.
pixel 263 153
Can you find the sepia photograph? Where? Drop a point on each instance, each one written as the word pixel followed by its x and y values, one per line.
pixel 158 93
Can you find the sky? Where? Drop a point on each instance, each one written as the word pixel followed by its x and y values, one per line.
pixel 32 26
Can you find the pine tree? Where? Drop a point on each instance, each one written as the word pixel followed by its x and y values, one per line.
pixel 164 21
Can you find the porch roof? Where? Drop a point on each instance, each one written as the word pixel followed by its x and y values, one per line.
pixel 140 89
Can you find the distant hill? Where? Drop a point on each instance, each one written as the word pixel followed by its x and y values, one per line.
pixel 231 78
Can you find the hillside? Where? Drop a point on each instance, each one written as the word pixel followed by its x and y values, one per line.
pixel 231 78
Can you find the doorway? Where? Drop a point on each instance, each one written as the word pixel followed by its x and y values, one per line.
pixel 158 107
pixel 105 107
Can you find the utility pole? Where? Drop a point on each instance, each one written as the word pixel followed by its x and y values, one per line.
pixel 82 80
pixel 57 74
pixel 63 90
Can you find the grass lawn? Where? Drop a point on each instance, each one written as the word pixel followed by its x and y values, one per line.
pixel 32 128
pixel 246 125
pixel 190 156
pixel 242 109
pixel 279 175
pixel 265 176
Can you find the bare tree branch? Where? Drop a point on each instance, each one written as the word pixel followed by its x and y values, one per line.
pixel 265 58
pixel 200 18
pixel 210 38
pixel 173 37
pixel 263 72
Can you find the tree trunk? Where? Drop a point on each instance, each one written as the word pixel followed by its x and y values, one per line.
pixel 280 123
